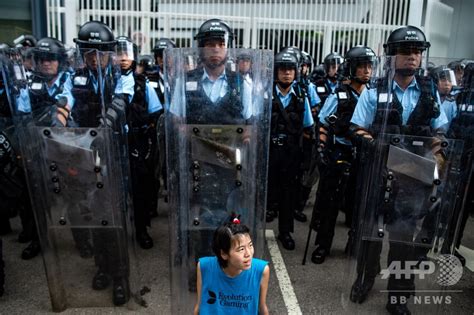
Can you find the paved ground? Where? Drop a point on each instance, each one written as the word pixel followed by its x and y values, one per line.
pixel 309 289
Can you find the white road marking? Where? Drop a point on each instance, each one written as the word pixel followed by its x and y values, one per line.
pixel 469 255
pixel 286 288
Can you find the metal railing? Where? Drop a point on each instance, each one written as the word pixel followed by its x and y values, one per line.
pixel 316 26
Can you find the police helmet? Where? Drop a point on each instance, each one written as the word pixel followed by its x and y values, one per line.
pixel 161 45
pixel 214 29
pixel 456 65
pixel 405 37
pixel 285 60
pixel 294 51
pixel 24 41
pixel 145 61
pixel 443 73
pixel 332 59
pixel 126 46
pixel 244 56
pixel 306 59
pixel 355 57
pixel 96 35
pixel 49 48
pixel 318 73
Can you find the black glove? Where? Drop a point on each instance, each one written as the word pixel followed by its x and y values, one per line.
pixel 323 158
pixel 114 115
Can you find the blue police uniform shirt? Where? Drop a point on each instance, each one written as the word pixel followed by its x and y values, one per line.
pixel 119 89
pixel 329 108
pixel 23 99
pixel 285 100
pixel 450 109
pixel 364 113
pixel 128 87
pixel 222 294
pixel 67 88
pixel 214 90
pixel 313 95
pixel 332 85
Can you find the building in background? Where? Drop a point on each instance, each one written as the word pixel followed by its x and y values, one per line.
pixel 316 26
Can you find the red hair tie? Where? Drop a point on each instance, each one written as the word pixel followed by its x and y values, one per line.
pixel 236 221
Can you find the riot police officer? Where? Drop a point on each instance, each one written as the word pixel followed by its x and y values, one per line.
pixel 461 127
pixel 291 121
pixel 51 102
pixel 96 43
pixel 408 106
pixel 310 173
pixel 156 77
pixel 145 64
pixel 326 85
pixel 337 184
pixel 142 115
pixel 156 81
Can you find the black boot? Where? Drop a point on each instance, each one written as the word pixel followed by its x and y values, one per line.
pixel 121 293
pixel 31 251
pixel 361 288
pixel 145 241
pixel 101 280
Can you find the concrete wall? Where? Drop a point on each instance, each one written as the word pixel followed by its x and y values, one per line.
pixel 461 40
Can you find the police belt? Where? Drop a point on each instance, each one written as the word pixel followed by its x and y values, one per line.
pixel 282 139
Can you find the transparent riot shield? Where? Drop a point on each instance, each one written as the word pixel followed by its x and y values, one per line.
pixel 410 173
pixel 75 155
pixel 217 155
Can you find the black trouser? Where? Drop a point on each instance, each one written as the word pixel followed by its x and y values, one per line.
pixel 2 268
pixel 111 251
pixel 141 146
pixel 331 192
pixel 283 170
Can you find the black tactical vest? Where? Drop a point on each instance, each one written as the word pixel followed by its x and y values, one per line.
pixel 39 96
pixel 137 111
pixel 323 89
pixel 419 122
pixel 87 107
pixel 346 103
pixel 227 110
pixel 293 124
pixel 462 126
pixel 4 105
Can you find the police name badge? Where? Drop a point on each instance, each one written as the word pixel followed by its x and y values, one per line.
pixel 154 84
pixel 36 86
pixel 342 95
pixel 320 89
pixel 80 80
pixel 384 98
pixel 191 86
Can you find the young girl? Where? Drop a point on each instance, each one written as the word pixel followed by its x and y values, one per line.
pixel 232 282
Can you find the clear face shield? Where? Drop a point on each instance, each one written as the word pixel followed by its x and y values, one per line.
pixel 410 60
pixel 363 70
pixel 332 66
pixel 126 54
pixel 213 52
pixel 48 64
pixel 445 79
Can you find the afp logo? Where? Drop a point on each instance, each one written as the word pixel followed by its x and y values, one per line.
pixel 448 269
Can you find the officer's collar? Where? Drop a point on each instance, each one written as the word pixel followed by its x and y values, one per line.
pixel 413 84
pixel 205 76
pixel 56 82
pixel 291 91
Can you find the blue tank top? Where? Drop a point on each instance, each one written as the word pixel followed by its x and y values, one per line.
pixel 221 294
